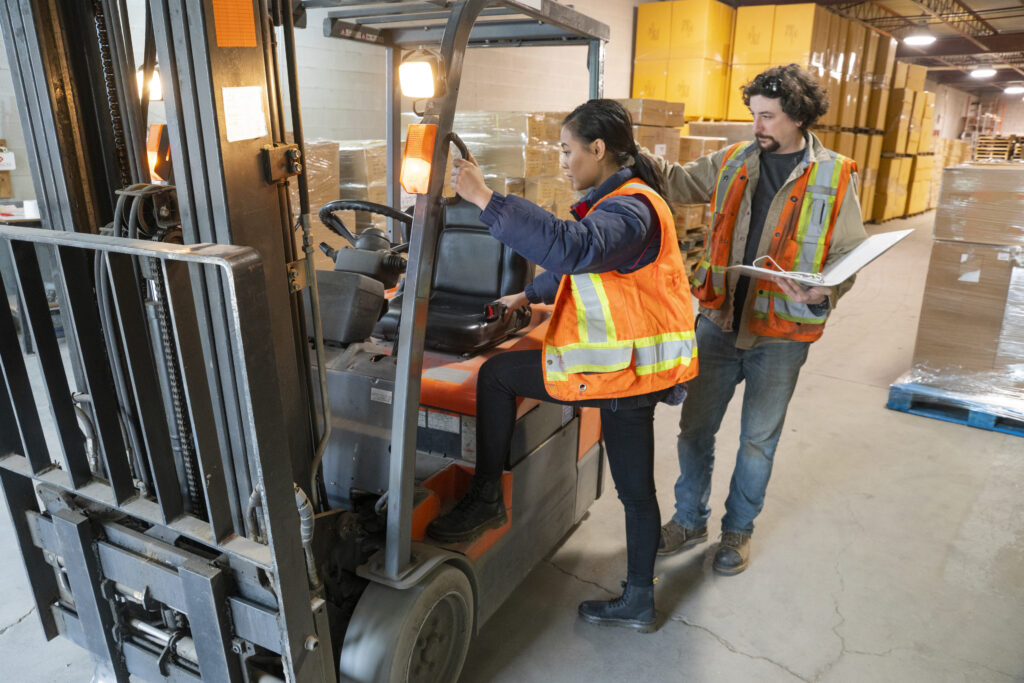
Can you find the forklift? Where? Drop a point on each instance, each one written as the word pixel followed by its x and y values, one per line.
pixel 241 453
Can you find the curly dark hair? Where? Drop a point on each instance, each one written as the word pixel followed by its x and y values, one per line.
pixel 803 98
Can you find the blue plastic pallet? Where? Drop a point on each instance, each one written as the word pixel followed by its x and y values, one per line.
pixel 926 401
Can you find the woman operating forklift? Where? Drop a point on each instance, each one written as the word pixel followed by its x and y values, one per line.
pixel 620 336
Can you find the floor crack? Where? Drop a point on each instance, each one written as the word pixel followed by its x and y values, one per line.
pixel 581 580
pixel 731 648
pixel 22 618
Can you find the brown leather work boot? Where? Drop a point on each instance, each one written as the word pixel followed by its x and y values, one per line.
pixel 733 553
pixel 676 537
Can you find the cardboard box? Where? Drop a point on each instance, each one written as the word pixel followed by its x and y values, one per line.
pixel 971 316
pixel 897 121
pixel 866 79
pixel 982 203
pixel 5 185
pixel 885 61
pixel 845 144
pixel 701 84
pixel 800 35
pixel 878 108
pixel 867 197
pixel 653 31
pixel 675 114
pixel 915 77
pixel 645 111
pixel 852 68
pixel 688 216
pixel 650 79
pixel 702 29
pixel 861 144
pixel 731 131
pixel 752 42
pixel 899 74
pixel 741 75
pixel 875 151
pixel 829 138
pixel 693 147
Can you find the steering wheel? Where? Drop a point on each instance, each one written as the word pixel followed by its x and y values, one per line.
pixel 371 236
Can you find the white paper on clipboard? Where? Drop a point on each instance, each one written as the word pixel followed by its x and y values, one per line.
pixel 840 271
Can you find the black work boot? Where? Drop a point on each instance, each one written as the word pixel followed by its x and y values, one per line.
pixel 733 553
pixel 633 609
pixel 481 509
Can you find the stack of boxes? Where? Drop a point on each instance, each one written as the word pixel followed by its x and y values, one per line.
pixel 970 339
pixel 907 163
pixel 683 51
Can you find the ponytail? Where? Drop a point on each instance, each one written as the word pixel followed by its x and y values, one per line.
pixel 609 121
pixel 646 170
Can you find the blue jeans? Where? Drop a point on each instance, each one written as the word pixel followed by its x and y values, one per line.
pixel 770 371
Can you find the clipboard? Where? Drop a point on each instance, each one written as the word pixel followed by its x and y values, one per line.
pixel 835 273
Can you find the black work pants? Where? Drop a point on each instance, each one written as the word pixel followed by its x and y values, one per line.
pixel 628 427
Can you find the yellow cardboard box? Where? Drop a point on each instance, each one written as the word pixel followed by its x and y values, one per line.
pixel 752 41
pixel 653 31
pixel 701 84
pixel 702 29
pixel 800 35
pixel 850 90
pixel 915 77
pixel 899 74
pixel 867 65
pixel 861 143
pixel 885 61
pixel 846 143
pixel 897 121
pixel 649 79
pixel 741 75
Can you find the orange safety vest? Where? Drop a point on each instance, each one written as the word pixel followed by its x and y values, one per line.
pixel 800 241
pixel 618 334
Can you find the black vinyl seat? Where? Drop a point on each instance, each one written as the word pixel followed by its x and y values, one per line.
pixel 472 270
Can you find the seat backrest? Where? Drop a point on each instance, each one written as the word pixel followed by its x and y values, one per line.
pixel 472 263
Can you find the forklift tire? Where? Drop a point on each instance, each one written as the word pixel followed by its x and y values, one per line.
pixel 420 634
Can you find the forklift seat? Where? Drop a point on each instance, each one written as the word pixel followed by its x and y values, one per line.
pixel 472 270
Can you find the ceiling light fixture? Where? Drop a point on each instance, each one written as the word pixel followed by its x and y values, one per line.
pixel 1014 90
pixel 919 38
pixel 983 72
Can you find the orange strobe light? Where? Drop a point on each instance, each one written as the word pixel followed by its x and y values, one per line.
pixel 419 151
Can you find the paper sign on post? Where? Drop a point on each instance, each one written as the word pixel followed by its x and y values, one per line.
pixel 7 160
pixel 840 271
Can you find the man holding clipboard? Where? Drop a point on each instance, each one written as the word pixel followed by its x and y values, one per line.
pixel 783 196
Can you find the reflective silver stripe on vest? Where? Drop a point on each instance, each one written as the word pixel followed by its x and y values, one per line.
pixel 588 358
pixel 821 198
pixel 661 352
pixel 585 289
pixel 729 170
pixel 786 309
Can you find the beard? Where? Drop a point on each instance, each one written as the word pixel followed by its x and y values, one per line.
pixel 768 144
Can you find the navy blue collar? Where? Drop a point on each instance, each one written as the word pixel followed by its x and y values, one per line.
pixel 582 207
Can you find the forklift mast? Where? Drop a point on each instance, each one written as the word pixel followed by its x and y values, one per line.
pixel 166 521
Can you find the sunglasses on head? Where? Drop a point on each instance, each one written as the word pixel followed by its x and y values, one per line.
pixel 772 85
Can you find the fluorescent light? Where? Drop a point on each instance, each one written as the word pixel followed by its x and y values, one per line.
pixel 1014 90
pixel 983 72
pixel 919 39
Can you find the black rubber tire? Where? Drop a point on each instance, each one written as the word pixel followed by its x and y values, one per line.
pixel 417 635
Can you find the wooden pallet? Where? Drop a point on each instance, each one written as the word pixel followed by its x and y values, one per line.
pixel 994 148
pixel 918 399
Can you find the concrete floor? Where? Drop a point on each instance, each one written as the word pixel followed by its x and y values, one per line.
pixel 891 547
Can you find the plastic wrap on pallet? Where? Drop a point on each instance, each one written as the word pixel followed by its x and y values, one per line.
pixel 970 337
pixel 322 172
pixel 982 203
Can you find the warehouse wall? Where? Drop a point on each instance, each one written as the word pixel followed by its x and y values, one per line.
pixel 950 109
pixel 10 130
pixel 341 82
pixel 1011 108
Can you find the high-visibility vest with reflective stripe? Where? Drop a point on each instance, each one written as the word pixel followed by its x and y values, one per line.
pixel 800 241
pixel 623 334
